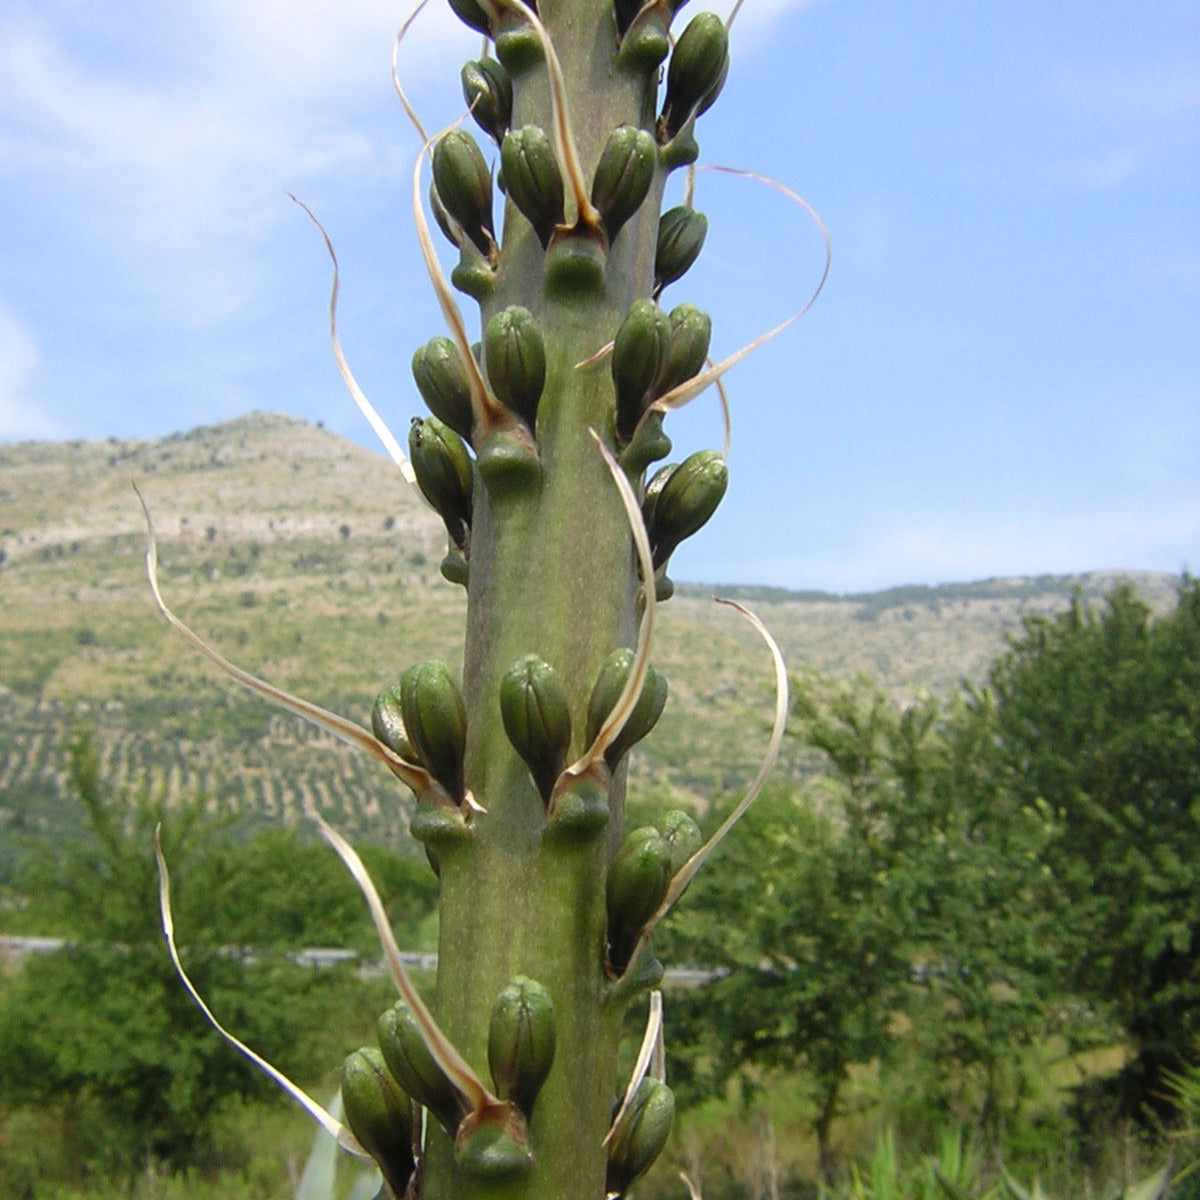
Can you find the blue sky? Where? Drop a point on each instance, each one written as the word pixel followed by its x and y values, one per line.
pixel 1001 377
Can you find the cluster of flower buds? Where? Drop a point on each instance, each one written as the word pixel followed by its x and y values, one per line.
pixel 386 1086
pixel 484 441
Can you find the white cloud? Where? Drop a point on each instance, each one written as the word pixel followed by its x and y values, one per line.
pixel 167 164
pixel 19 359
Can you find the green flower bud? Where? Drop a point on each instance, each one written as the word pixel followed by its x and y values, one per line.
pixel 639 354
pixel 637 881
pixel 681 234
pixel 641 1135
pixel 454 567
pixel 646 42
pixel 487 89
pixel 515 355
pixel 685 501
pixel 521 1041
pixel 653 490
pixel 649 444
pixel 435 719
pixel 581 812
pixel 682 835
pixel 413 1067
pixel 464 186
pixel 623 176
pixel 609 685
pixel 443 469
pixel 445 222
pixel 537 719
pixel 472 14
pixel 532 179
pixel 691 331
pixel 442 381
pixel 575 262
pixel 491 1152
pixel 696 72
pixel 387 724
pixel 379 1114
pixel 518 46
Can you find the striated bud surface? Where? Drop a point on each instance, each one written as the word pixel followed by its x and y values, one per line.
pixel 641 1135
pixel 442 381
pixel 387 723
pixel 682 836
pixel 442 466
pixel 522 1036
pixel 487 89
pixel 687 498
pixel 691 331
pixel 638 877
pixel 532 178
pixel 413 1068
pixel 435 719
pixel 681 234
pixel 640 352
pixel 515 355
pixel 606 691
pixel 464 186
pixel 623 176
pixel 696 72
pixel 472 14
pixel 379 1114
pixel 537 719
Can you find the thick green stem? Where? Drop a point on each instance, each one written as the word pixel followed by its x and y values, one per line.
pixel 551 573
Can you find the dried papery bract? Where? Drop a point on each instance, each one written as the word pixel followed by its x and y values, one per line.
pixel 542 453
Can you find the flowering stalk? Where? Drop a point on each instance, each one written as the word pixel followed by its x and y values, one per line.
pixel 540 456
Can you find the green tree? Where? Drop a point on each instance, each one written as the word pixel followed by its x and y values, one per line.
pixel 899 881
pixel 100 1032
pixel 989 979
pixel 813 912
pixel 1098 717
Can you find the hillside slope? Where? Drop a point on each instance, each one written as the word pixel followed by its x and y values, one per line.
pixel 304 558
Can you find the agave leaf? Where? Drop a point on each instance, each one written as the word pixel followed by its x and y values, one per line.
pixel 1150 1188
pixel 367 1186
pixel 319 1178
pixel 952 1190
pixel 1017 1191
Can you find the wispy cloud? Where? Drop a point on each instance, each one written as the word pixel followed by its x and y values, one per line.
pixel 19 357
pixel 171 164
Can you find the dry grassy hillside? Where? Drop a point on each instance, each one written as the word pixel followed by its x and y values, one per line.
pixel 302 557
